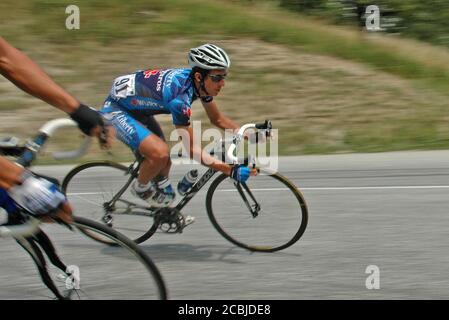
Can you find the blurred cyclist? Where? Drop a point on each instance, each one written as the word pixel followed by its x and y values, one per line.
pixel 38 195
pixel 135 98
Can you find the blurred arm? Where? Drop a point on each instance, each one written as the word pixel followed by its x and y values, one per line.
pixel 9 173
pixel 28 76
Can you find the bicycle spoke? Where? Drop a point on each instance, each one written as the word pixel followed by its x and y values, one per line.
pixel 107 183
pixel 88 201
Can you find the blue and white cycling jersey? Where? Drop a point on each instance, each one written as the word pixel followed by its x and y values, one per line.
pixel 146 93
pixel 168 91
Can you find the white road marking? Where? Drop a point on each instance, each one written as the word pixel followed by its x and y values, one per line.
pixel 310 189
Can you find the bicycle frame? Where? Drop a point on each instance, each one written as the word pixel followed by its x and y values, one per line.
pixel 133 170
pixel 195 188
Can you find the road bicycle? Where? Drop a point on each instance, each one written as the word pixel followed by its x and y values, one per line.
pixel 124 271
pixel 267 213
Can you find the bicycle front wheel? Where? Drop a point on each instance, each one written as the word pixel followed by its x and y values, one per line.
pixel 79 268
pixel 267 213
pixel 90 189
pixel 127 272
pixel 123 271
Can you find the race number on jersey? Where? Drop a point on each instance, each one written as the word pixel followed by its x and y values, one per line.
pixel 124 86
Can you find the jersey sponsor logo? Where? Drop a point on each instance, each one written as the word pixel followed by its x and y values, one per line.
pixel 170 77
pixel 145 103
pixel 159 79
pixel 187 112
pixel 149 73
pixel 122 120
pixel 109 116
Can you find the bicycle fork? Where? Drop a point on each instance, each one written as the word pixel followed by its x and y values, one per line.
pixel 254 208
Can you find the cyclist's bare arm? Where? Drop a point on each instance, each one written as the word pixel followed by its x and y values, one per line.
pixel 28 76
pixel 217 118
pixel 9 173
pixel 197 153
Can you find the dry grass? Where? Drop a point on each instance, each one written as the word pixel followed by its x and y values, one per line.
pixel 320 104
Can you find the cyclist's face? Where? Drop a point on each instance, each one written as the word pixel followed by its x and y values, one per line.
pixel 214 81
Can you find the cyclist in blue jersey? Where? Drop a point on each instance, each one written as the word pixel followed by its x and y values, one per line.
pixel 136 98
pixel 33 193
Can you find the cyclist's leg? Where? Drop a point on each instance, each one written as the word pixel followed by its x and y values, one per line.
pixel 139 138
pixel 50 250
pixel 36 254
pixel 151 123
pixel 154 127
pixel 156 153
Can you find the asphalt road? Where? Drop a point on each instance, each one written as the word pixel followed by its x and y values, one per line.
pixel 386 210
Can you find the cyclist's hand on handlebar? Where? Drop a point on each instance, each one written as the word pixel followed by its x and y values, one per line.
pixel 37 195
pixel 105 135
pixel 241 173
pixel 90 122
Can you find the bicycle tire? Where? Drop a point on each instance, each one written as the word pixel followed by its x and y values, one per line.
pixel 126 243
pixel 72 266
pixel 231 203
pixel 134 227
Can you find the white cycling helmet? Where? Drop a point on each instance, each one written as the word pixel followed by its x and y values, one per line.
pixel 209 57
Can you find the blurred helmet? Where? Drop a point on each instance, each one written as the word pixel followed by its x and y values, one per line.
pixel 209 57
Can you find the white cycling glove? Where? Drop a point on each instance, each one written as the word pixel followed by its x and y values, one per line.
pixel 37 195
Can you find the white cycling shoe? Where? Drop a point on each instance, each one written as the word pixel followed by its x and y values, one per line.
pixel 155 195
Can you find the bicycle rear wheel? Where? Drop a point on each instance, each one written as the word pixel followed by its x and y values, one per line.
pixel 280 221
pixel 91 186
pixel 121 272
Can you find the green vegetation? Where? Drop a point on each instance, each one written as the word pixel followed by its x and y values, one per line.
pixel 327 88
pixel 420 19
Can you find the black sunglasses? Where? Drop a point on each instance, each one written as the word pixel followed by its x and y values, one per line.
pixel 217 77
